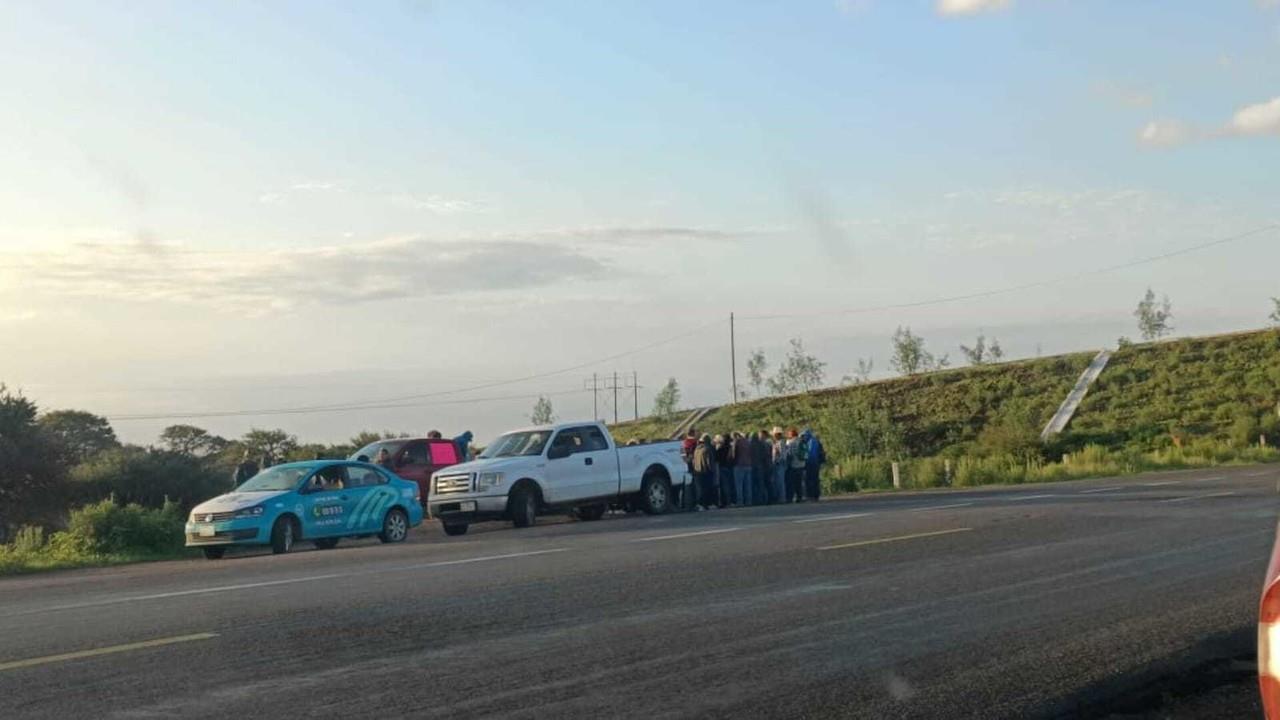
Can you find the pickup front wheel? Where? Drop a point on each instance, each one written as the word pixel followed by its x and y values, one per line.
pixel 454 529
pixel 524 506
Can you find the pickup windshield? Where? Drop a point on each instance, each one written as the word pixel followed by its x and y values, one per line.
pixel 274 479
pixel 517 443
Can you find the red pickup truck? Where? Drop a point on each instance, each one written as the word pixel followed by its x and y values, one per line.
pixel 413 459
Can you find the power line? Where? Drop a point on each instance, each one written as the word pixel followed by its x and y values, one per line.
pixel 380 403
pixel 1018 288
pixel 240 413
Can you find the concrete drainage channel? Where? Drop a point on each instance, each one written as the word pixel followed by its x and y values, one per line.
pixel 1215 680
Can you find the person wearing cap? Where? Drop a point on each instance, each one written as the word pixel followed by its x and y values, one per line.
pixel 795 466
pixel 703 466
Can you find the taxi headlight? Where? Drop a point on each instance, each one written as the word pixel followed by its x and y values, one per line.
pixel 255 511
pixel 484 481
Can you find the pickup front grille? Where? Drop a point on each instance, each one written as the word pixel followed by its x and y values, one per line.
pixel 446 484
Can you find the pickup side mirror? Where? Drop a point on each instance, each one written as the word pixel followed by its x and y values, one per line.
pixel 556 452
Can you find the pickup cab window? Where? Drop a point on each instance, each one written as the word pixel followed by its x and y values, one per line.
pixel 415 454
pixel 593 440
pixel 444 453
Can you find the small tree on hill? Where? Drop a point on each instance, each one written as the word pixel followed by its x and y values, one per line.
pixel 757 366
pixel 1153 318
pixel 910 357
pixel 542 413
pixel 665 402
pixel 800 372
pixel 860 374
pixel 1275 314
pixel 981 353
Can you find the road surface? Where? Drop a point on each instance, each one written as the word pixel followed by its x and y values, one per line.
pixel 1059 600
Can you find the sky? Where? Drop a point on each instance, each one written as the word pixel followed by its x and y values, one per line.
pixel 438 210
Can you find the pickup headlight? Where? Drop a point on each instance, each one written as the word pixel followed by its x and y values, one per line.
pixel 484 481
pixel 255 511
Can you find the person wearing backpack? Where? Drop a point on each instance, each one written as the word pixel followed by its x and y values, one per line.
pixel 815 457
pixel 797 456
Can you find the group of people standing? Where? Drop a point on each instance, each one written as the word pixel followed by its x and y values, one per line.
pixel 762 468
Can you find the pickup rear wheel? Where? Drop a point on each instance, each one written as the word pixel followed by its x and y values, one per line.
pixel 590 512
pixel 524 506
pixel 655 494
pixel 454 529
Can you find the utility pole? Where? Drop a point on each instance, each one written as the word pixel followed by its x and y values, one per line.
pixel 635 390
pixel 594 387
pixel 614 387
pixel 733 360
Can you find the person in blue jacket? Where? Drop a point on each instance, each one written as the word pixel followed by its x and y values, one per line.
pixel 463 442
pixel 816 456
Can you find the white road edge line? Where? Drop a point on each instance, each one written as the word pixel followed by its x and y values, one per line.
pixel 1028 497
pixel 688 534
pixel 941 507
pixel 1197 497
pixel 1210 479
pixel 1101 490
pixel 1264 473
pixel 274 583
pixel 1158 484
pixel 821 518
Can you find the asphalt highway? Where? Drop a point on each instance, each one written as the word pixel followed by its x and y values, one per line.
pixel 1055 600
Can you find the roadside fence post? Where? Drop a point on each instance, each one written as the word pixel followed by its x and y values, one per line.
pixel 897 478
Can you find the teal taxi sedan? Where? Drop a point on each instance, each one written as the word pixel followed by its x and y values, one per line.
pixel 320 501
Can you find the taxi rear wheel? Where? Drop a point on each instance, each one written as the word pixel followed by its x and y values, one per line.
pixel 395 526
pixel 283 535
pixel 214 553
pixel 455 529
pixel 325 543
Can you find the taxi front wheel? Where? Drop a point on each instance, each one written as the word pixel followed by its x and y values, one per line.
pixel 214 553
pixel 283 534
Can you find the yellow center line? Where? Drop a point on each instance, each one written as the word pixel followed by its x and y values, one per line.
pixel 895 539
pixel 32 662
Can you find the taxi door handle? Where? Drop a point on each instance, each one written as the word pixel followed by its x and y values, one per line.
pixel 342 497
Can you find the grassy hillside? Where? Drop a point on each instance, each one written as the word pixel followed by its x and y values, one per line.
pixel 1222 388
pixel 1171 404
pixel 914 416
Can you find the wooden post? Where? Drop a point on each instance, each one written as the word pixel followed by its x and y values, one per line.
pixel 946 470
pixel 897 478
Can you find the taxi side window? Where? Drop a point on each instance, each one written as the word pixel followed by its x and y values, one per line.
pixel 333 477
pixel 358 477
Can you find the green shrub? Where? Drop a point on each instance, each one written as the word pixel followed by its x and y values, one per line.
pixel 107 527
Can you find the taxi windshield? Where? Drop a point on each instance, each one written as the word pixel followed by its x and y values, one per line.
pixel 274 479
pixel 517 443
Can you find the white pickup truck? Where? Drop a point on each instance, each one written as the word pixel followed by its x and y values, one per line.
pixel 569 467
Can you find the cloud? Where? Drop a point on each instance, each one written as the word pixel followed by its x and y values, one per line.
pixel 953 8
pixel 257 281
pixel 1249 121
pixel 434 203
pixel 1122 94
pixel 1165 133
pixel 143 268
pixel 852 7
pixel 1267 4
pixel 1259 119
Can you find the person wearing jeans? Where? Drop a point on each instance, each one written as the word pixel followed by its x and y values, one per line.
pixel 742 468
pixel 779 466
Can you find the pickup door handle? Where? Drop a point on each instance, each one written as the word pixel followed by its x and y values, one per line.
pixel 588 461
